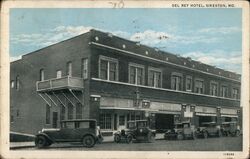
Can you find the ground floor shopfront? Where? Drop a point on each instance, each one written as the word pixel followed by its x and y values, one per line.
pixel 115 113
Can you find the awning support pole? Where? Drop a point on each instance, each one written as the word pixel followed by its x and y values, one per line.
pixel 59 99
pixel 75 96
pixel 51 99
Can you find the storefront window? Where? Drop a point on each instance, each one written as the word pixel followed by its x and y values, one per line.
pixel 62 114
pixel 105 121
pixel 121 120
pixel 47 114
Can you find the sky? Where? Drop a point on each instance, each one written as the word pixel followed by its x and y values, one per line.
pixel 210 35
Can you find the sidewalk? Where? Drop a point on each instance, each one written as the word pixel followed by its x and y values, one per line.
pixel 106 139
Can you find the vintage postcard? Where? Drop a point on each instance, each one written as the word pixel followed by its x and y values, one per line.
pixel 124 79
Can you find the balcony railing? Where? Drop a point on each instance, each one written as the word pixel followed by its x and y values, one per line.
pixel 67 82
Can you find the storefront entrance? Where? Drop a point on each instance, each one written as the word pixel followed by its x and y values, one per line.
pixel 164 122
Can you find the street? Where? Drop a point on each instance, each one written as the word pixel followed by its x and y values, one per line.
pixel 210 144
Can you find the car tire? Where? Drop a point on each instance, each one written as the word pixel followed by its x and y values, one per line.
pixel 129 139
pixel 41 142
pixel 151 137
pixel 117 138
pixel 237 133
pixel 88 141
pixel 180 136
pixel 205 135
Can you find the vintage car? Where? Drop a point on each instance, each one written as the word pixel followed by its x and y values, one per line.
pixel 78 130
pixel 138 130
pixel 182 130
pixel 230 128
pixel 209 129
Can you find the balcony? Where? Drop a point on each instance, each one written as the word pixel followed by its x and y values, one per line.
pixel 73 83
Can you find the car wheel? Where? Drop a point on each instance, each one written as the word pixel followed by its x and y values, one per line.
pixel 151 137
pixel 117 138
pixel 41 142
pixel 237 133
pixel 205 135
pixel 88 141
pixel 129 139
pixel 180 136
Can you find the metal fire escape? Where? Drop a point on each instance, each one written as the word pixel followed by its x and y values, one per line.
pixel 60 89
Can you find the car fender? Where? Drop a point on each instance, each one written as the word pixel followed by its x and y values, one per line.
pixel 46 136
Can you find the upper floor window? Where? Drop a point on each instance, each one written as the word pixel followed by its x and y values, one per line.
pixel 154 77
pixel 12 83
pixel 41 78
pixel 199 86
pixel 17 83
pixel 85 68
pixel 235 93
pixel 224 91
pixel 59 74
pixel 136 74
pixel 213 88
pixel 69 69
pixel 176 81
pixel 189 83
pixel 108 68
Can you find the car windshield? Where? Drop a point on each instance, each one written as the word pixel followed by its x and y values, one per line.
pixel 131 125
pixel 178 126
pixel 142 124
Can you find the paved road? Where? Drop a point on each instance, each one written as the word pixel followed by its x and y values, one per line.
pixel 210 144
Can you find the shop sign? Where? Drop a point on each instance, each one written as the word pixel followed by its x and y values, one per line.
pixel 228 111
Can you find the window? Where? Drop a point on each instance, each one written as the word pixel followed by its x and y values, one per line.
pixel 199 86
pixel 213 88
pixel 136 74
pixel 41 78
pixel 59 74
pixel 69 69
pixel 121 120
pixel 189 83
pixel 108 68
pixel 176 81
pixel 235 93
pixel 47 114
pixel 224 91
pixel 12 84
pixel 62 112
pixel 17 83
pixel 105 121
pixel 70 111
pixel 85 68
pixel 78 111
pixel 154 77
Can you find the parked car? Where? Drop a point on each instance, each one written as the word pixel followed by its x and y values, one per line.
pixel 182 130
pixel 138 130
pixel 230 128
pixel 209 129
pixel 79 130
